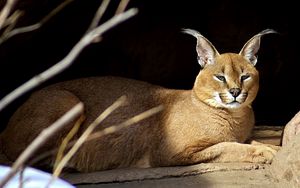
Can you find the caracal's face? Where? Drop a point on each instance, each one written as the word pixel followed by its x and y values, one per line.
pixel 230 82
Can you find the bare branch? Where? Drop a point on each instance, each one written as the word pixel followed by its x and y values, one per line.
pixel 66 140
pixel 102 8
pixel 6 11
pixel 122 6
pixel 41 139
pixel 55 11
pixel 68 60
pixel 12 32
pixel 126 123
pixel 86 133
pixel 11 21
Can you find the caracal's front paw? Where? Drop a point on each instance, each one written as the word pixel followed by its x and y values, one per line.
pixel 255 143
pixel 263 154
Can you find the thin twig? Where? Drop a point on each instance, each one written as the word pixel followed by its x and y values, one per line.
pixel 21 177
pixel 6 11
pixel 66 140
pixel 68 60
pixel 101 10
pixel 86 133
pixel 122 6
pixel 131 121
pixel 55 11
pixel 11 21
pixel 20 30
pixel 41 139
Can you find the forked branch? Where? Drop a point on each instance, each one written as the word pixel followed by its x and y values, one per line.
pixel 11 21
pixel 68 60
pixel 6 11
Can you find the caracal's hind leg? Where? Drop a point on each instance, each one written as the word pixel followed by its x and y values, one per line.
pixel 41 110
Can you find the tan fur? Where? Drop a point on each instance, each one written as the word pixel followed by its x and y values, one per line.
pixel 203 124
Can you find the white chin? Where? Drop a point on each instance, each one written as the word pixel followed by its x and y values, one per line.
pixel 233 105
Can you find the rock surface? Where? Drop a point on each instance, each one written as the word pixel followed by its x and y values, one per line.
pixel 129 175
pixel 291 129
pixel 286 164
pixel 220 179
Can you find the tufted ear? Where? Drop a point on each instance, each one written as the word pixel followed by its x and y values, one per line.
pixel 205 50
pixel 250 49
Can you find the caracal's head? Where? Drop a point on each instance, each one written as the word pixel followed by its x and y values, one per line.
pixel 227 80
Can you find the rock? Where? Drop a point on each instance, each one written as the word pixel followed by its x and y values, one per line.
pixel 285 167
pixel 291 129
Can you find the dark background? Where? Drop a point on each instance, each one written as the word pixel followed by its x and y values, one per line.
pixel 150 47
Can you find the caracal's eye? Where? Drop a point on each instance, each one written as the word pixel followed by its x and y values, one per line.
pixel 245 77
pixel 220 78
